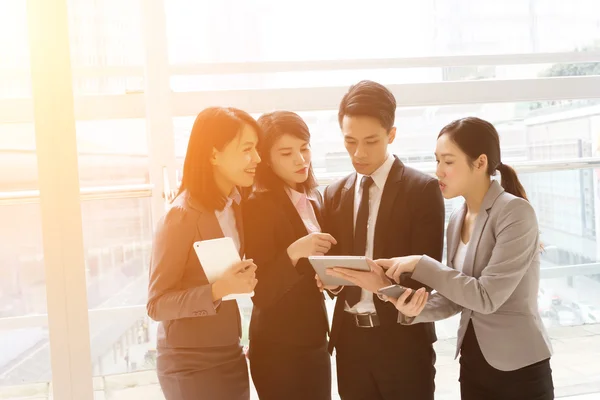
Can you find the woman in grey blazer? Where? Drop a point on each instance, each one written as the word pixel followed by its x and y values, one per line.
pixel 492 274
pixel 199 351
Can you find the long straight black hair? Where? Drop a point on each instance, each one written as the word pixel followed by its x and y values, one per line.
pixel 475 136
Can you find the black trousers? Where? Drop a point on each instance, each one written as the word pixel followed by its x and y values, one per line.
pixel 284 371
pixel 372 364
pixel 479 380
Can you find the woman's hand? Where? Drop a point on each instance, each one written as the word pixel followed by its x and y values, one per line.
pixel 313 244
pixel 239 278
pixel 398 265
pixel 416 304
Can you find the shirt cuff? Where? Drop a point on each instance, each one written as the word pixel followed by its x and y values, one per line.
pixel 404 320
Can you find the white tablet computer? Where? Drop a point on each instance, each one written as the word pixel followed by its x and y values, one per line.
pixel 322 263
pixel 216 256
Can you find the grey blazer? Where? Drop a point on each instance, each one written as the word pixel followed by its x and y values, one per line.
pixel 179 295
pixel 498 286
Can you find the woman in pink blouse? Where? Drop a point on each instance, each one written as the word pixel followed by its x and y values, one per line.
pixel 282 223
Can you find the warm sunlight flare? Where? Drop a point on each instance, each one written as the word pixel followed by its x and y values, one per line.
pixel 448 145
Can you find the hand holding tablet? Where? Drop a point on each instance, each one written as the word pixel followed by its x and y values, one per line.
pixel 223 266
pixel 321 263
pixel 350 271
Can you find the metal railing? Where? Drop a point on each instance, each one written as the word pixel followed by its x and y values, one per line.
pixel 145 190
pixel 87 194
pixel 330 65
pixel 106 315
pixel 140 191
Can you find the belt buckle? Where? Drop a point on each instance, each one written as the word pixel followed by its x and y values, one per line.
pixel 369 316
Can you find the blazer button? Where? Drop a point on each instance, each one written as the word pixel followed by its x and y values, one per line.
pixel 203 313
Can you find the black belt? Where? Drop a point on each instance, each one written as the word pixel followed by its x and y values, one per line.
pixel 365 320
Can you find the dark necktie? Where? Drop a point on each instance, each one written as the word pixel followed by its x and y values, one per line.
pixel 360 235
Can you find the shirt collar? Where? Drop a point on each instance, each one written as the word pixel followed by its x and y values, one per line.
pixel 296 196
pixel 380 175
pixel 233 196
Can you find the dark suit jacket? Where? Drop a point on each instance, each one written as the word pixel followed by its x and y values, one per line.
pixel 179 294
pixel 288 307
pixel 410 221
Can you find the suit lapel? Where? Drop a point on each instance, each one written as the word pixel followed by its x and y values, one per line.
pixel 208 224
pixel 388 198
pixel 318 212
pixel 454 233
pixel 488 201
pixel 347 216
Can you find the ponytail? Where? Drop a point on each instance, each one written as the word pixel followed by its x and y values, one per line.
pixel 510 181
pixel 475 136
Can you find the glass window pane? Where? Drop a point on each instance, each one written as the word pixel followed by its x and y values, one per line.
pixel 105 34
pixel 530 131
pixel 117 240
pixel 25 368
pixel 112 152
pixel 15 80
pixel 24 345
pixel 18 163
pixel 339 29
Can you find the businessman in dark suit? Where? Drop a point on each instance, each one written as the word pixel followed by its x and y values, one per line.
pixel 383 209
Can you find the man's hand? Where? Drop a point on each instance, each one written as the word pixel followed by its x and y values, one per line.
pixel 372 280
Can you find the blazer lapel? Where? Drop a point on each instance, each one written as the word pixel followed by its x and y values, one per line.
pixel 388 198
pixel 347 215
pixel 488 201
pixel 454 234
pixel 208 225
pixel 317 207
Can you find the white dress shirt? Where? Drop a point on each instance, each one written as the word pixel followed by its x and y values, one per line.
pixel 366 305
pixel 305 209
pixel 226 218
